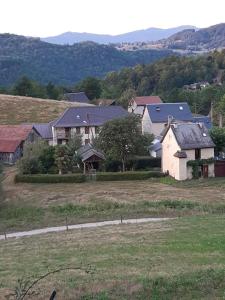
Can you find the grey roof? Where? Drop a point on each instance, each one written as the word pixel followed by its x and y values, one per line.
pixel 203 119
pixel 44 129
pixel 180 154
pixel 192 136
pixel 87 151
pixel 76 97
pixel 159 113
pixel 155 147
pixel 89 116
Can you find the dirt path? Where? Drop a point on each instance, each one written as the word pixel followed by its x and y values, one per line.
pixel 80 226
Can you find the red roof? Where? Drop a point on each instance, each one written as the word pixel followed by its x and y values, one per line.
pixel 11 136
pixel 15 132
pixel 143 100
pixel 9 146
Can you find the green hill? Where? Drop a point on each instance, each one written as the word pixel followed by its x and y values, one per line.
pixel 63 64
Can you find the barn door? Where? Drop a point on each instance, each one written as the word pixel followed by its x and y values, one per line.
pixel 205 171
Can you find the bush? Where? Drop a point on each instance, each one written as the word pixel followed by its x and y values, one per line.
pixel 136 163
pixel 47 178
pixel 128 176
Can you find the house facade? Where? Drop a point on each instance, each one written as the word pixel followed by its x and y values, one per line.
pixel 156 116
pixel 183 142
pixel 84 121
pixel 138 104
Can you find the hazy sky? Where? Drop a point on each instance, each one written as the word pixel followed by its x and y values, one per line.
pixel 51 17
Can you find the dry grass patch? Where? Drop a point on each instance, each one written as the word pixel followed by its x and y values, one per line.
pixel 21 109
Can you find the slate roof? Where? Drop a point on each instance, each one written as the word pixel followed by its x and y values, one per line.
pixel 9 146
pixel 203 119
pixel 191 136
pixel 44 129
pixel 80 97
pixel 143 100
pixel 155 147
pixel 89 116
pixel 88 151
pixel 159 113
pixel 180 154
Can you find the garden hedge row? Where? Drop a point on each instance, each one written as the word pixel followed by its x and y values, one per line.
pixel 75 178
pixel 128 176
pixel 50 178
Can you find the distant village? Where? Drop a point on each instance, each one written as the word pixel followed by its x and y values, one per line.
pixel 179 135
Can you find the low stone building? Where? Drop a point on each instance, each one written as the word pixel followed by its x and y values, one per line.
pixel 184 143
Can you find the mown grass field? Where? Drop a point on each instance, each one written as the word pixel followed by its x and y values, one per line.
pixel 183 258
pixel 21 109
pixel 179 259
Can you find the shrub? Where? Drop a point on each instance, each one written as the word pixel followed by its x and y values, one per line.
pixel 47 178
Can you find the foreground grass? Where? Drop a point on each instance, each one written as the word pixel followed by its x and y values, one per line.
pixel 14 218
pixel 180 259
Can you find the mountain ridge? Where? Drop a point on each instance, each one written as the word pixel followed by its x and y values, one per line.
pixel 142 35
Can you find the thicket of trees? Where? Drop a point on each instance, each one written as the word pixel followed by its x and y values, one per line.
pixel 40 158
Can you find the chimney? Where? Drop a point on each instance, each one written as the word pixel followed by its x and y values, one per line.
pixel 170 120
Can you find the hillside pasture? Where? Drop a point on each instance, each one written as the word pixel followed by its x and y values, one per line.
pixel 21 109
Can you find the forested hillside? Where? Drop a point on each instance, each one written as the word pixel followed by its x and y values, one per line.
pixel 167 78
pixel 64 65
pixel 212 37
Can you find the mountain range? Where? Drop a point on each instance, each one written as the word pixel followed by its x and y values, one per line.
pixel 150 34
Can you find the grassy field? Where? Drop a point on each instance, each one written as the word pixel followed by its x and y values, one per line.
pixel 20 109
pixel 178 259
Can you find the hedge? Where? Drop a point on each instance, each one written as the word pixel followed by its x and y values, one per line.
pixel 50 178
pixel 75 178
pixel 127 176
pixel 136 163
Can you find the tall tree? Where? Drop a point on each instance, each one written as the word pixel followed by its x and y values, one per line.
pixel 91 86
pixel 122 138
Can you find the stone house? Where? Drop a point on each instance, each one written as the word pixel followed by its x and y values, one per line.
pixel 85 121
pixel 183 142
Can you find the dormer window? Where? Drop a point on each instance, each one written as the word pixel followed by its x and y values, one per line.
pixel 157 108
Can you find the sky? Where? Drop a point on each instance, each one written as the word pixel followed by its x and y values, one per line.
pixel 42 18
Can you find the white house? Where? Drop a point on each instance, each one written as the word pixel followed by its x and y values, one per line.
pixel 138 104
pixel 183 142
pixel 156 116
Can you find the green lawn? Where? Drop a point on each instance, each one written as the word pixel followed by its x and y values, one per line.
pixel 183 258
pixel 179 259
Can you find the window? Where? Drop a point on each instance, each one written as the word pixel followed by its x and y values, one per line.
pixel 67 132
pixel 197 153
pixel 86 130
pixel 77 130
pixel 96 130
pixel 60 142
pixel 87 141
